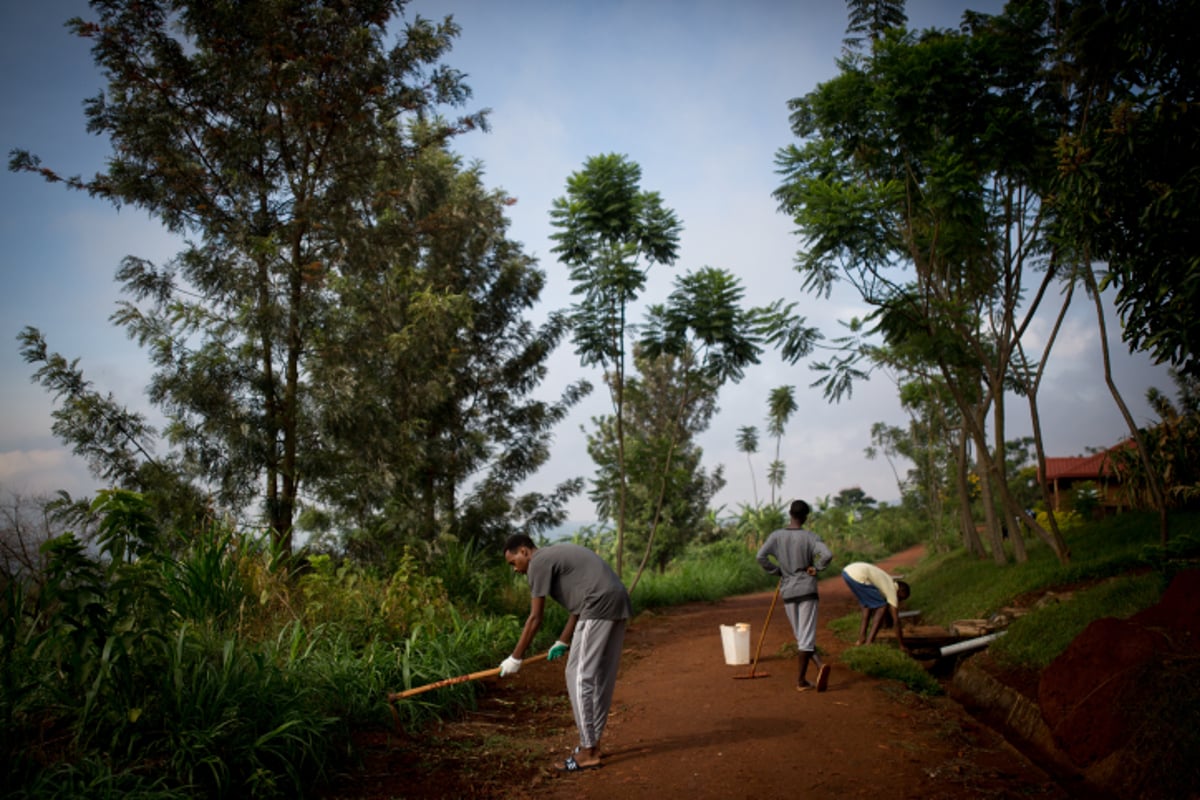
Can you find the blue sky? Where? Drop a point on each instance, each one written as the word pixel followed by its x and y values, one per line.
pixel 694 92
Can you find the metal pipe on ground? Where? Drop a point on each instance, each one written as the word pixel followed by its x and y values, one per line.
pixel 970 644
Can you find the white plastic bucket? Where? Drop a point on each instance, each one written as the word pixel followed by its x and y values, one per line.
pixel 736 641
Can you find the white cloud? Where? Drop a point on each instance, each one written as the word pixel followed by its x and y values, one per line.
pixel 43 472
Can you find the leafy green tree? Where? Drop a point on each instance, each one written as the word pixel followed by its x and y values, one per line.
pixel 1129 171
pixel 703 321
pixel 610 232
pixel 270 134
pixel 854 500
pixel 871 19
pixel 1174 448
pixel 919 179
pixel 435 383
pixel 117 444
pixel 669 490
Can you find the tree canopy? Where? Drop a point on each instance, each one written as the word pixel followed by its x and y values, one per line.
pixel 343 329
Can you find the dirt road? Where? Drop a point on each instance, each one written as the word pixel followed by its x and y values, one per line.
pixel 682 726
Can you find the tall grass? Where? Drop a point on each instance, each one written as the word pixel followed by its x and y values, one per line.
pixel 1034 640
pixel 960 586
pixel 710 572
pixel 215 668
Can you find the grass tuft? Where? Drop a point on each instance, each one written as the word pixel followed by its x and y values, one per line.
pixel 889 663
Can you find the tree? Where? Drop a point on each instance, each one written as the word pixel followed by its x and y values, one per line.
pixel 1174 449
pixel 117 444
pixel 434 382
pixel 872 19
pixel 703 322
pixel 669 491
pixel 780 407
pixel 747 442
pixel 610 232
pixel 1129 171
pixel 920 180
pixel 269 133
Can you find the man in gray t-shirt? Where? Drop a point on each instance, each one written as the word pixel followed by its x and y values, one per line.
pixel 796 555
pixel 598 610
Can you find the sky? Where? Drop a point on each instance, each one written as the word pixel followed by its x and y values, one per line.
pixel 694 92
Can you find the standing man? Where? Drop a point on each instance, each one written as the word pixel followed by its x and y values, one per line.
pixel 799 555
pixel 878 593
pixel 598 610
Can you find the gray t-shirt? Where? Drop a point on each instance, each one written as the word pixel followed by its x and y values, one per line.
pixel 794 550
pixel 581 581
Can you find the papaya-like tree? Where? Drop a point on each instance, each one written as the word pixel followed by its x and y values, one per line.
pixel 610 233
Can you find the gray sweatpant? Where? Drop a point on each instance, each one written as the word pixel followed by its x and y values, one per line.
pixel 592 674
pixel 803 616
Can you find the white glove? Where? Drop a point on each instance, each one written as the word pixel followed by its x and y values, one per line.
pixel 510 666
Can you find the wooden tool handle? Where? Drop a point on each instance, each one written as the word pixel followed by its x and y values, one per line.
pixel 473 676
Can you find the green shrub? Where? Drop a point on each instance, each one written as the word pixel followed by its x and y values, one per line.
pixel 1036 639
pixel 365 606
pixel 889 663
pixel 709 572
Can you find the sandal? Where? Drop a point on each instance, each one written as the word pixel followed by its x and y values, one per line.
pixel 823 678
pixel 571 765
pixel 805 687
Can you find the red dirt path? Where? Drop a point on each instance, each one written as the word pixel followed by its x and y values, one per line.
pixel 682 726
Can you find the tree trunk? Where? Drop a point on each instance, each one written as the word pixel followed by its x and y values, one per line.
pixel 970 535
pixel 991 521
pixel 1152 478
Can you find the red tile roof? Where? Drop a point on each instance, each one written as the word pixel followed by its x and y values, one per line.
pixel 1097 465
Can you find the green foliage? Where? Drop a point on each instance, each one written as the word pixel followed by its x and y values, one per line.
pixel 914 171
pixel 1128 178
pixel 365 606
pixel 865 534
pixel 436 384
pixel 960 586
pixel 889 663
pixel 206 582
pixel 755 523
pixel 1036 639
pixel 707 572
pixel 360 333
pixel 1085 499
pixel 1173 447
pixel 668 491
pixel 100 652
pixel 607 226
pixel 1067 521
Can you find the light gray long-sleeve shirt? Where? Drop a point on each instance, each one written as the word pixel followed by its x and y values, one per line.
pixel 795 550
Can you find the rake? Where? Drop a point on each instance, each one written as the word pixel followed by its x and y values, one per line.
pixel 754 667
pixel 473 676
